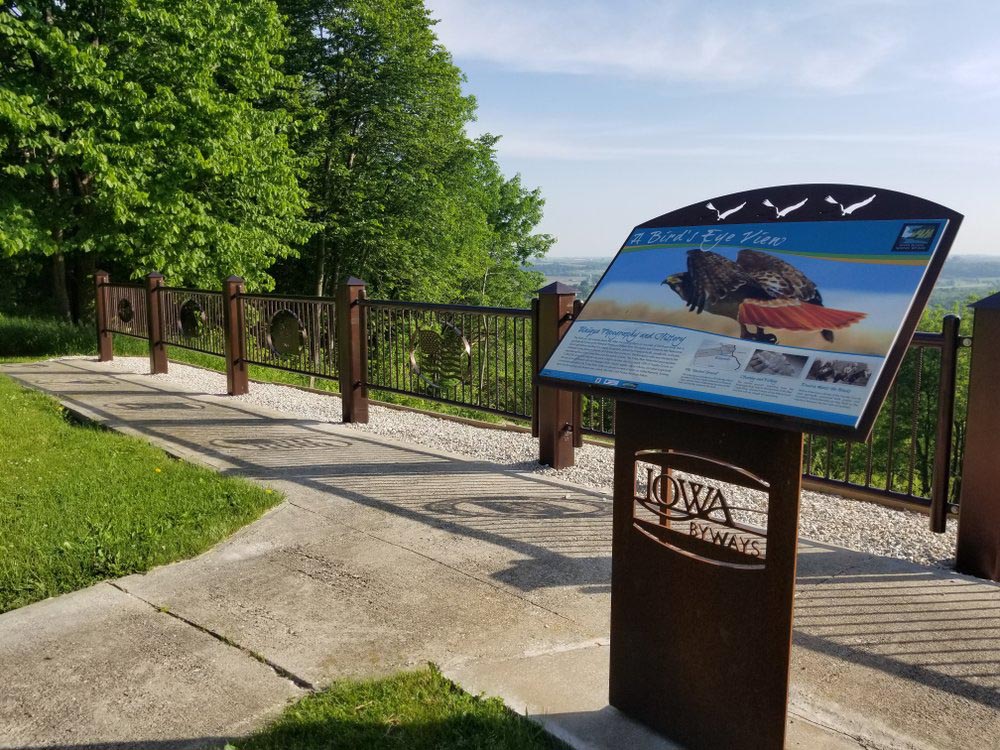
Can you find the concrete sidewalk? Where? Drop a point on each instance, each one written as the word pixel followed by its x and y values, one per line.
pixel 386 556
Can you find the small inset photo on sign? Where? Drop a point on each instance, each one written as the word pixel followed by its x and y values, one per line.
pixel 841 371
pixel 719 356
pixel 765 362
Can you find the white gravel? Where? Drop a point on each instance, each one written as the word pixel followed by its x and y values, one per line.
pixel 824 518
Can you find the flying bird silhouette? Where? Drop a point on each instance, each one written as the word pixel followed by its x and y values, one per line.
pixel 758 290
pixel 781 213
pixel 723 214
pixel 851 208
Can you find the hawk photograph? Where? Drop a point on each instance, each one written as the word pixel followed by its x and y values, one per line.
pixel 761 292
pixel 829 295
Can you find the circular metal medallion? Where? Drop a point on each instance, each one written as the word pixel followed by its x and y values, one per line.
pixel 441 356
pixel 125 311
pixel 192 319
pixel 286 335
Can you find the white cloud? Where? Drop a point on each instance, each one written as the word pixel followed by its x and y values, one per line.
pixel 978 71
pixel 827 46
pixel 557 139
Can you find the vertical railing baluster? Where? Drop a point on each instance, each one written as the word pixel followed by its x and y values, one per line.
pixel 892 440
pixel 914 415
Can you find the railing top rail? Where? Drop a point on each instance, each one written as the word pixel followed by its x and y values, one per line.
pixel 521 312
pixel 189 290
pixel 289 297
pixel 931 340
pixel 120 285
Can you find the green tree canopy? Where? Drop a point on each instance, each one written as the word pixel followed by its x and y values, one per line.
pixel 402 196
pixel 155 133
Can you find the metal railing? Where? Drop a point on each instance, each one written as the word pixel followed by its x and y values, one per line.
pixel 126 310
pixel 483 358
pixel 913 457
pixel 192 319
pixel 479 357
pixel 597 415
pixel 297 334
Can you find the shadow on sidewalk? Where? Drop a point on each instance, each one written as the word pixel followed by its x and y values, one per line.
pixel 898 618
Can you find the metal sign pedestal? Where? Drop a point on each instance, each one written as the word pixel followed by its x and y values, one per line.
pixel 701 607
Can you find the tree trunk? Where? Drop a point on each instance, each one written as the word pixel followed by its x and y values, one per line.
pixel 321 263
pixel 336 272
pixel 59 292
pixel 85 266
pixel 321 258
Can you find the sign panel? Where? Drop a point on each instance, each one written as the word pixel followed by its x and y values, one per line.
pixel 796 302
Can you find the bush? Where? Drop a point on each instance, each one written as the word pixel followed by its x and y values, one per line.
pixel 22 336
pixel 39 337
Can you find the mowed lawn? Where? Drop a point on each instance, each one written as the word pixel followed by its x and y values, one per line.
pixel 79 504
pixel 409 711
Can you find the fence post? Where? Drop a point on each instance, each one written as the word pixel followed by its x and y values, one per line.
pixel 577 397
pixel 535 366
pixel 941 473
pixel 554 406
pixel 978 550
pixel 154 323
pixel 351 340
pixel 105 349
pixel 237 382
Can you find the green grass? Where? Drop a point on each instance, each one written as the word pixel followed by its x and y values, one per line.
pixel 25 338
pixel 79 504
pixel 413 710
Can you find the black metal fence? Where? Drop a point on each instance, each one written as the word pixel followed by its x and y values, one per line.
pixel 127 313
pixel 479 357
pixel 298 334
pixel 192 319
pixel 913 457
pixel 483 358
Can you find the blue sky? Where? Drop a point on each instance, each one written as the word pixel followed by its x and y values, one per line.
pixel 621 111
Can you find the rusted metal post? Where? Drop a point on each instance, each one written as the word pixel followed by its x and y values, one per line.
pixel 577 397
pixel 351 340
pixel 941 473
pixel 237 382
pixel 154 322
pixel 978 550
pixel 105 349
pixel 695 614
pixel 535 366
pixel 554 406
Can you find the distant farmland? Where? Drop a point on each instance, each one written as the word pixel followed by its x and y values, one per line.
pixel 964 276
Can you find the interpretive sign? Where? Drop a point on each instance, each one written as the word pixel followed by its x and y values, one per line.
pixel 788 308
pixel 794 302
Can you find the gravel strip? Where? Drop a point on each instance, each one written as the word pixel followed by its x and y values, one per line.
pixel 824 518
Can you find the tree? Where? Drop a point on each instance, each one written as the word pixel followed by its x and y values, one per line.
pixel 403 198
pixel 497 274
pixel 155 133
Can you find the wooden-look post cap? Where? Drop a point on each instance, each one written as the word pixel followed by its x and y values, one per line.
pixel 101 274
pixel 235 280
pixel 353 281
pixel 154 275
pixel 987 303
pixel 557 287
